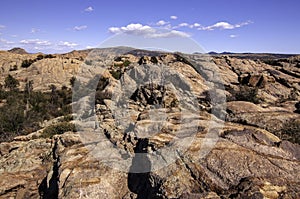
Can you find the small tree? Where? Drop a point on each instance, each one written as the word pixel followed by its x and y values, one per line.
pixel 54 94
pixel 72 81
pixel 11 83
pixel 27 63
pixel 28 87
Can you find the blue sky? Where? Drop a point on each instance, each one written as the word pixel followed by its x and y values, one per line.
pixel 217 25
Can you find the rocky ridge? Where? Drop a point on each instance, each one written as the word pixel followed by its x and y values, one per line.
pixel 250 159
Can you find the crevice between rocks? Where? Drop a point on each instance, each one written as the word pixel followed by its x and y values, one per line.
pixel 140 179
pixel 50 189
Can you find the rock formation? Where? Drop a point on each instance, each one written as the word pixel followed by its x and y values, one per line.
pixel 162 125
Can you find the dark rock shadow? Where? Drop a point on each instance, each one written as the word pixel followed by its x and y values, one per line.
pixel 139 178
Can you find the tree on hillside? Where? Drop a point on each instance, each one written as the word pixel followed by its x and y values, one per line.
pixel 11 83
pixel 54 95
pixel 72 81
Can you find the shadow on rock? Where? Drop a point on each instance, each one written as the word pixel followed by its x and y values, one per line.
pixel 140 180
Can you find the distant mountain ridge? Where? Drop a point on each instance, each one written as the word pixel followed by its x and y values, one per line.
pixel 20 51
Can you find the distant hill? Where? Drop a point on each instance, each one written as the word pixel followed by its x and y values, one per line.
pixel 252 56
pixel 20 51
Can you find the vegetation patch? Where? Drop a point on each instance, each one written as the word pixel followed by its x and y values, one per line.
pixel 58 129
pixel 244 93
pixel 291 131
pixel 23 111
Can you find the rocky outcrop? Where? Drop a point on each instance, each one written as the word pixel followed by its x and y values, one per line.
pixel 150 136
pixel 20 51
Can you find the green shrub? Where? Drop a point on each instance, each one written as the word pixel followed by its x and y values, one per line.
pixel 26 63
pixel 40 57
pixel 22 112
pixel 291 131
pixel 126 63
pixel 154 60
pixel 116 74
pixel 88 62
pixel 49 56
pixel 58 129
pixel 11 83
pixel 66 118
pixel 244 93
pixel 72 81
pixel 11 120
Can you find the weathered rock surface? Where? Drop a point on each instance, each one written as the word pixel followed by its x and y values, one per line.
pixel 185 151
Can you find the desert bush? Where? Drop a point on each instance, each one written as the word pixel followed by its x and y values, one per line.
pixel 66 118
pixel 49 56
pixel 11 83
pixel 11 121
pixel 40 57
pixel 72 81
pixel 23 111
pixel 154 60
pixel 273 62
pixel 116 74
pixel 88 62
pixel 126 63
pixel 26 63
pixel 291 131
pixel 244 93
pixel 57 129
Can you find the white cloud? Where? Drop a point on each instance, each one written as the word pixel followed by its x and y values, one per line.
pixel 34 30
pixel 233 36
pixel 2 27
pixel 5 44
pixel 137 29
pixel 224 25
pixel 89 47
pixel 4 41
pixel 89 9
pixel 36 42
pixel 172 33
pixel 79 28
pixel 183 25
pixel 67 44
pixel 147 31
pixel 161 23
pixel 196 25
pixel 173 17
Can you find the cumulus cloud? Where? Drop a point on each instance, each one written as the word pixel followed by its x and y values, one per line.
pixel 89 9
pixel 161 23
pixel 4 41
pixel 137 29
pixel 183 25
pixel 172 33
pixel 196 25
pixel 79 28
pixel 34 30
pixel 36 42
pixel 233 36
pixel 224 25
pixel 173 17
pixel 147 31
pixel 67 44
